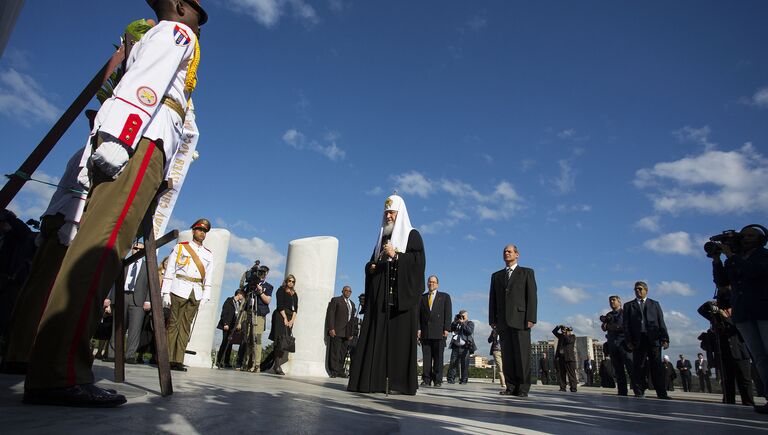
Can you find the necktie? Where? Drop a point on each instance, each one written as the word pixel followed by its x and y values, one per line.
pixel 509 273
pixel 349 309
pixel 430 299
pixel 642 312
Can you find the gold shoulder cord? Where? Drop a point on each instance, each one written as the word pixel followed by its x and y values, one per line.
pixel 190 82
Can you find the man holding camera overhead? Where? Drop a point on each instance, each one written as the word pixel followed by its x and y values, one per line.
pixel 746 271
pixel 258 294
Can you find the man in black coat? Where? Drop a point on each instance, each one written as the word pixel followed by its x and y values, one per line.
pixel 435 312
pixel 227 323
pixel 512 311
pixel 544 369
pixel 684 367
pixel 341 326
pixel 646 334
pixel 589 371
pixel 565 357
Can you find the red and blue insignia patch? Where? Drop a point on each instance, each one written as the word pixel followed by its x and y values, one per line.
pixel 181 37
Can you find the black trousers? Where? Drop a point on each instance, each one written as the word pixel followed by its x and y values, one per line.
pixel 224 355
pixel 516 357
pixel 737 373
pixel 337 354
pixel 621 360
pixel 685 379
pixel 590 377
pixel 432 351
pixel 646 358
pixel 705 385
pixel 566 368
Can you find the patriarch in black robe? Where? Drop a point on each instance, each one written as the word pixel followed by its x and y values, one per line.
pixel 387 346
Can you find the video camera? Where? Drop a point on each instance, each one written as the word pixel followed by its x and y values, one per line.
pixel 729 238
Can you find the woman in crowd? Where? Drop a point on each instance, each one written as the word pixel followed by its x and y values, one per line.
pixel 283 319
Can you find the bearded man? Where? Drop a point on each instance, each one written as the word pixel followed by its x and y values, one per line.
pixel 394 282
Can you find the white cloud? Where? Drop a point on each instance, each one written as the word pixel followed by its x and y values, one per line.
pixel 564 208
pixel 672 243
pixel 683 331
pixel 22 98
pixel 256 249
pixel 269 12
pixel 566 180
pixel 584 325
pixel 33 199
pixel 713 182
pixel 298 140
pixel 234 271
pixel 572 295
pixel 413 183
pixel 674 287
pixel 695 135
pixel 478 22
pixel 470 237
pixel 566 134
pixel 650 223
pixel 377 190
pixel 759 98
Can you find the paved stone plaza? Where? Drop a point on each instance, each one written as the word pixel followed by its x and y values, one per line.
pixel 228 402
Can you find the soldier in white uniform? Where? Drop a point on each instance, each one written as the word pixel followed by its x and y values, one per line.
pixel 186 288
pixel 135 136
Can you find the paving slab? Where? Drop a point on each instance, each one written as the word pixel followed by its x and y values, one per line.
pixel 231 402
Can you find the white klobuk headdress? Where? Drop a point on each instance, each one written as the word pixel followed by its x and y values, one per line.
pixel 402 225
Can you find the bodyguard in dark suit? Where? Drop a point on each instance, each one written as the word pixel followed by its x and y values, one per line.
pixel 341 326
pixel 646 333
pixel 434 324
pixel 589 371
pixel 227 323
pixel 136 307
pixel 512 311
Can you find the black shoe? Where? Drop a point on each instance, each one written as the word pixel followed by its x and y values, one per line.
pixel 438 384
pixel 85 396
pixel 13 368
pixel 521 394
pixel 562 389
pixel 451 382
pixel 573 390
pixel 664 397
pixel 179 367
pixel 132 361
pixel 462 382
pixel 506 393
pixel 424 384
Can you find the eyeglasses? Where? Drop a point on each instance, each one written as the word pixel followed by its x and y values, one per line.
pixel 290 280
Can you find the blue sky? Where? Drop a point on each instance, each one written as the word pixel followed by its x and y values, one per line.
pixel 607 140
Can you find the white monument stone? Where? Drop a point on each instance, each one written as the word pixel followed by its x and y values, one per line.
pixel 201 341
pixel 313 262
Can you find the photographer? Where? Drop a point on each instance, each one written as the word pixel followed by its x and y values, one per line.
pixel 258 294
pixel 613 324
pixel 462 346
pixel 731 351
pixel 746 272
pixel 565 357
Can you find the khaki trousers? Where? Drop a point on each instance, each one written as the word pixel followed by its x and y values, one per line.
pixel 179 327
pixel 61 355
pixel 253 337
pixel 33 297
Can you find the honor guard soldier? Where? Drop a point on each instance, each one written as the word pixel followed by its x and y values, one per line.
pixel 186 289
pixel 135 137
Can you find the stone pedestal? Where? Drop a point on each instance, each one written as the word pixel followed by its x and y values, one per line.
pixel 201 341
pixel 313 262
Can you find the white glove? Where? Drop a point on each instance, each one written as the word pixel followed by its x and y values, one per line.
pixel 84 179
pixel 110 158
pixel 167 300
pixel 202 304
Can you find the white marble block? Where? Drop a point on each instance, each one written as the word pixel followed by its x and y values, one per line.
pixel 312 261
pixel 201 341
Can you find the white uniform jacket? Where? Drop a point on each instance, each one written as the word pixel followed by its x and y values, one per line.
pixel 156 67
pixel 182 276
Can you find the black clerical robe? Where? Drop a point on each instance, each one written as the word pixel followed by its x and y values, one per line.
pixel 377 348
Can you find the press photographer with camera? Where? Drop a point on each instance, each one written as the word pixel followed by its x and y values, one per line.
pixel 730 351
pixel 613 324
pixel 258 294
pixel 565 357
pixel 462 346
pixel 746 272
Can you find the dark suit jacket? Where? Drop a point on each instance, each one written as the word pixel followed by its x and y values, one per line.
pixel 513 303
pixel 589 366
pixel 655 326
pixel 433 323
pixel 544 364
pixel 228 313
pixel 701 367
pixel 338 318
pixel 566 345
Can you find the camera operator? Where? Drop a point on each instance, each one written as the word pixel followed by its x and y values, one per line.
pixel 746 272
pixel 258 294
pixel 735 367
pixel 565 357
pixel 613 325
pixel 462 346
